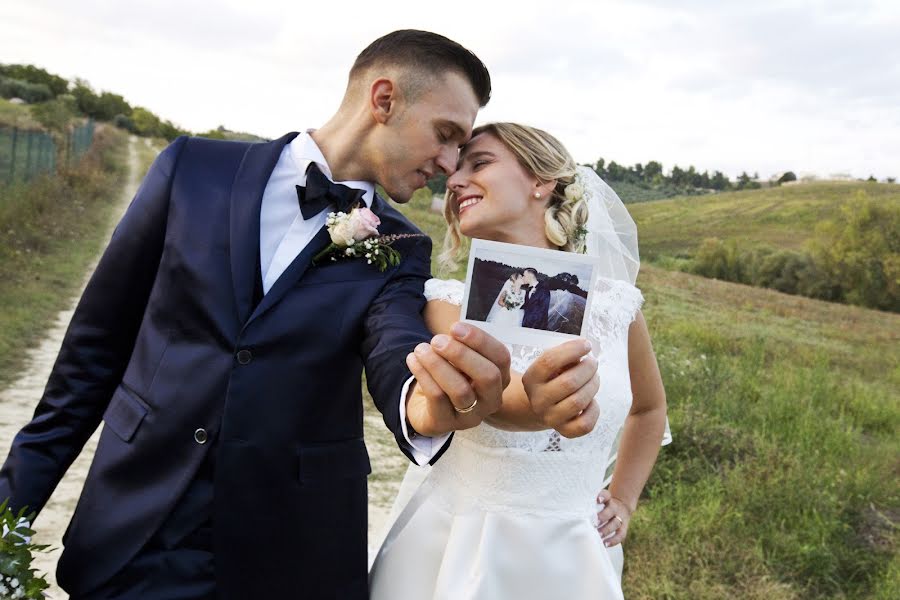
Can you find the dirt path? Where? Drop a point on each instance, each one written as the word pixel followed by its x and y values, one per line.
pixel 18 401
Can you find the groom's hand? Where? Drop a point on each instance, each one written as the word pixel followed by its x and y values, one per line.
pixel 460 380
pixel 561 385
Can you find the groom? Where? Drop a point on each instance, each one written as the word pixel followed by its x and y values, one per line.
pixel 537 298
pixel 226 365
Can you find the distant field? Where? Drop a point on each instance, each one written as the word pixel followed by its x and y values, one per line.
pixel 781 482
pixel 784 217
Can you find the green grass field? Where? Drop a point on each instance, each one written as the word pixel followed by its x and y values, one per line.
pixel 781 481
pixel 784 217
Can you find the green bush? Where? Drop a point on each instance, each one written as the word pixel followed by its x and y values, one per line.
pixel 861 251
pixel 719 260
pixel 29 92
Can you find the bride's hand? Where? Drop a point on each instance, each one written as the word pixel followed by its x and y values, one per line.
pixel 561 385
pixel 613 519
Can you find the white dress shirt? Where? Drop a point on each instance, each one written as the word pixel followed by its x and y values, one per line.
pixel 284 233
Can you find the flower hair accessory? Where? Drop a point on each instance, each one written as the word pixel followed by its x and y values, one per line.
pixel 576 192
pixel 355 235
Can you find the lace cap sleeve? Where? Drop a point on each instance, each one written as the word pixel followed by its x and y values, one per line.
pixel 446 290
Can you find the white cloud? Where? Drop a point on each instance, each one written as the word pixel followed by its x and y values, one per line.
pixel 763 86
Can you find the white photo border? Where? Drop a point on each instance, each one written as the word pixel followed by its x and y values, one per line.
pixel 525 335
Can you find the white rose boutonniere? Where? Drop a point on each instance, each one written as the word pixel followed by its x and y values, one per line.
pixel 355 235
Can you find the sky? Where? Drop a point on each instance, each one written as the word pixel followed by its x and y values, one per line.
pixel 763 86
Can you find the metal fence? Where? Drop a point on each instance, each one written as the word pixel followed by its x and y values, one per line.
pixel 25 154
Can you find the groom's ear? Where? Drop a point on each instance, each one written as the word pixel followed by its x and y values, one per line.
pixel 383 99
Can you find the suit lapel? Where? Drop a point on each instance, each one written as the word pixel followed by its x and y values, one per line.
pixel 293 273
pixel 246 200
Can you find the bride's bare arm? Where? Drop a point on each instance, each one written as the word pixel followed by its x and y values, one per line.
pixel 643 433
pixel 571 411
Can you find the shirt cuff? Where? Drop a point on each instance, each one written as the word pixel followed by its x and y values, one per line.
pixel 424 448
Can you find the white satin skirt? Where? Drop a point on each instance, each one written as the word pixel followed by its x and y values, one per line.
pixel 430 553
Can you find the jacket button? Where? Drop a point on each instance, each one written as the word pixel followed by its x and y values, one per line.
pixel 244 357
pixel 200 436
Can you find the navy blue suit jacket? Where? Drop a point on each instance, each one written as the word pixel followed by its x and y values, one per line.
pixel 152 352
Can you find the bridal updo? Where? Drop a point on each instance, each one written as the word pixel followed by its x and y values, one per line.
pixel 547 159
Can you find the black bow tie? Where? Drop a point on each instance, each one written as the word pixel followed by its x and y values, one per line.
pixel 320 192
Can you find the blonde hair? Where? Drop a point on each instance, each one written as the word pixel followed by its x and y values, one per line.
pixel 547 159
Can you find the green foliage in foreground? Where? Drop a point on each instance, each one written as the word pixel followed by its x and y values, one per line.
pixel 17 578
pixel 50 230
pixel 781 480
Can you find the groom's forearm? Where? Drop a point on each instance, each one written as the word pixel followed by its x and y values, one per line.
pixel 96 347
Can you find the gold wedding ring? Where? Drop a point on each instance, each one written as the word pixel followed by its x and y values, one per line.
pixel 468 409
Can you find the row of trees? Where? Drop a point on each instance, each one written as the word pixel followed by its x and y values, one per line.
pixel 854 259
pixel 653 175
pixel 56 102
pixel 649 181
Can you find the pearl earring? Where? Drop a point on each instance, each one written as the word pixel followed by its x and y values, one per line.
pixel 537 195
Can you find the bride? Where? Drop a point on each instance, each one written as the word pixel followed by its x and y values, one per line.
pixel 507 308
pixel 510 510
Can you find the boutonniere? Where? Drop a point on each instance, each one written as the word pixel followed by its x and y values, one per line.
pixel 355 235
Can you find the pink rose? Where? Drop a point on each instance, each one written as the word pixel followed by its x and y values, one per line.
pixel 363 224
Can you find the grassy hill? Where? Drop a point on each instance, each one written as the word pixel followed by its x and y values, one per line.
pixel 784 216
pixel 17 115
pixel 781 481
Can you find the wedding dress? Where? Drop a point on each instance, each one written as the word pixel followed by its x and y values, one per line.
pixel 512 515
pixel 503 315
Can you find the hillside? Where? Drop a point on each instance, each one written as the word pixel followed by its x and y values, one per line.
pixel 781 480
pixel 784 216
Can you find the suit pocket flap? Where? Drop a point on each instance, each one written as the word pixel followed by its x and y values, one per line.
pixel 343 459
pixel 125 413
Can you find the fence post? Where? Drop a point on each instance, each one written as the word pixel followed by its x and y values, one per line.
pixel 28 166
pixel 12 161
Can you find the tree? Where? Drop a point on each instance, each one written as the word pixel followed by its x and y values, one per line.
pixel 788 176
pixel 719 181
pixel 653 172
pixel 29 92
pixel 615 172
pixel 56 114
pixel 35 75
pixel 861 251
pixel 146 123
pixel 109 105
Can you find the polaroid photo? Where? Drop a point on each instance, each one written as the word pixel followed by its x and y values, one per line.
pixel 525 295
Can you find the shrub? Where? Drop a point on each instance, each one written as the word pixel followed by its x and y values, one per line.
pixel 29 92
pixel 862 252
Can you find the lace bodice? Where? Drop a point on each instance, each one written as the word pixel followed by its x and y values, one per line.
pixel 542 471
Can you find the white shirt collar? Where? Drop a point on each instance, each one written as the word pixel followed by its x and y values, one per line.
pixel 304 150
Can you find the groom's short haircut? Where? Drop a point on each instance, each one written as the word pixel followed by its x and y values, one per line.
pixel 427 54
pixel 532 270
